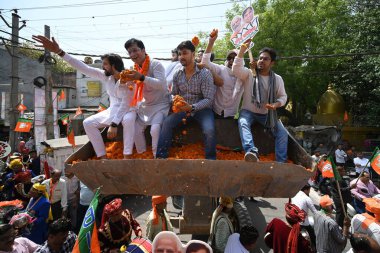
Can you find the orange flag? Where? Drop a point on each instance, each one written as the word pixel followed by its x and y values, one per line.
pixel 61 95
pixel 70 134
pixel 23 125
pixel 101 107
pixel 375 161
pixel 327 169
pixel 20 107
pixel 345 118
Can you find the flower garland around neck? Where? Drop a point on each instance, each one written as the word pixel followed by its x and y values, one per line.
pixel 138 96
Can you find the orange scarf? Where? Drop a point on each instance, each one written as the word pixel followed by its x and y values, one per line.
pixel 138 96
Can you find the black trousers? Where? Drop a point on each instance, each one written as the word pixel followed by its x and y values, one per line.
pixel 56 210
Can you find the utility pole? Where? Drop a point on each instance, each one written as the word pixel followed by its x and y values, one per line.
pixel 49 109
pixel 13 112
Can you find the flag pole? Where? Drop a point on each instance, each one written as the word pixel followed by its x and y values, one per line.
pixel 341 198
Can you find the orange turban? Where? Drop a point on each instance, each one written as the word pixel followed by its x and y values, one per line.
pixel 157 199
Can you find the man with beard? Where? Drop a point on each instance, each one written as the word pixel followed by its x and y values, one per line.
pixel 263 94
pixel 196 87
pixel 151 94
pixel 120 96
pixel 227 96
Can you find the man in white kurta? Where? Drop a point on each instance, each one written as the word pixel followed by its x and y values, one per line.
pixel 226 103
pixel 155 104
pixel 120 96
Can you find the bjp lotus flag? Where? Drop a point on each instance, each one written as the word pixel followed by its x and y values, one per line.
pixel 61 95
pixel 87 240
pixel 24 125
pixel 102 107
pixel 78 112
pixel 65 119
pixel 327 169
pixel 70 134
pixel 20 107
pixel 375 161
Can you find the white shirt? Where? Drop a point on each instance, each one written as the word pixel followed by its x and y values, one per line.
pixel 360 164
pixel 305 203
pixel 246 76
pixel 86 195
pixel 373 230
pixel 119 95
pixel 234 245
pixel 340 156
pixel 59 192
pixel 225 100
pixel 169 71
pixel 72 185
pixel 22 245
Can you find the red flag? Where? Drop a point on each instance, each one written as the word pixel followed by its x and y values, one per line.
pixel 23 125
pixel 78 112
pixel 70 134
pixel 20 107
pixel 345 118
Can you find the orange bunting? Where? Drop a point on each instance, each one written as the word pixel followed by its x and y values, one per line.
pixel 195 41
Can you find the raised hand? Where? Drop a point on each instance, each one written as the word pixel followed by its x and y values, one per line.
pixel 46 43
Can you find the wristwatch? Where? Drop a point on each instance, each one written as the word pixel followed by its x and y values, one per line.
pixel 192 108
pixel 142 78
pixel 113 124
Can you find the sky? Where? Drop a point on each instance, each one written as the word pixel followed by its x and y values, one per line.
pixel 97 27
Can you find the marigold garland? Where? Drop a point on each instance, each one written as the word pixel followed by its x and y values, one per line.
pixel 189 151
pixel 138 96
pixel 178 102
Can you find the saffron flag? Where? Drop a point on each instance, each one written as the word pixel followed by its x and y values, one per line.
pixel 65 119
pixel 87 240
pixel 375 160
pixel 345 118
pixel 78 112
pixel 20 107
pixel 327 169
pixel 70 134
pixel 102 107
pixel 23 125
pixel 61 95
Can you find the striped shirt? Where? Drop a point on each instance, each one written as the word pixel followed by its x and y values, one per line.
pixel 329 237
pixel 198 91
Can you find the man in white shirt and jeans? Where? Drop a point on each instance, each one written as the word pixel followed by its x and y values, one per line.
pixel 227 96
pixel 304 202
pixel 244 242
pixel 361 163
pixel 340 156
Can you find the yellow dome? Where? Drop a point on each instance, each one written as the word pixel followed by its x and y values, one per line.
pixel 330 102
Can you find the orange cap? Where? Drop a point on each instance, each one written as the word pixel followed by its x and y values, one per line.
pixel 325 201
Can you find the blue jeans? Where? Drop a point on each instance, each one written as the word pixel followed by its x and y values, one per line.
pixel 204 117
pixel 245 121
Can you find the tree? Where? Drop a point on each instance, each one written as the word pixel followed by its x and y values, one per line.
pixel 319 27
pixel 359 83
